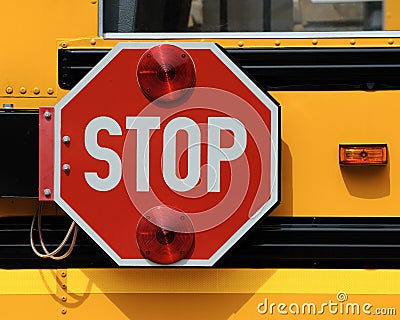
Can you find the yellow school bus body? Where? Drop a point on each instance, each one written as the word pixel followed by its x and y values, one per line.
pixel 312 184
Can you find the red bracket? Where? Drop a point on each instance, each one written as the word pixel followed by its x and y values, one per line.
pixel 46 154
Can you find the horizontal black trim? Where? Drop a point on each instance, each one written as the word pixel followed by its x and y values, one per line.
pixel 278 242
pixel 281 68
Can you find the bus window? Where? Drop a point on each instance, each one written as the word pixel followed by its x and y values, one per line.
pixel 144 16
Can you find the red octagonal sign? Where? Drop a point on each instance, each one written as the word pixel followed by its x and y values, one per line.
pixel 166 153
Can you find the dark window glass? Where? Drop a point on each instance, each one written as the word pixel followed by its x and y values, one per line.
pixel 126 16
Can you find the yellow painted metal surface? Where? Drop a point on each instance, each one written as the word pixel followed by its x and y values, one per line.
pixel 391 17
pixel 199 293
pixel 28 41
pixel 313 125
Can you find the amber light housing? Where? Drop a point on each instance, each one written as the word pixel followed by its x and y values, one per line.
pixel 363 154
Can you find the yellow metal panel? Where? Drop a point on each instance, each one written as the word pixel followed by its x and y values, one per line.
pixel 228 293
pixel 391 16
pixel 28 306
pixel 192 293
pixel 160 306
pixel 28 40
pixel 313 125
pixel 229 306
pixel 94 43
pixel 244 281
pixel 27 282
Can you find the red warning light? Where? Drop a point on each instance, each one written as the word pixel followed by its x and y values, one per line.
pixel 165 235
pixel 165 69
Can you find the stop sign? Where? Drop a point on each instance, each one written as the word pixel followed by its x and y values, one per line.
pixel 166 153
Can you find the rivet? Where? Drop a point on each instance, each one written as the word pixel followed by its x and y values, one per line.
pixel 47 192
pixel 93 2
pixel 63 311
pixel 277 43
pixel 66 168
pixel 63 44
pixel 50 90
pixel 315 42
pixel 64 298
pixel 240 44
pixel 63 274
pixel 9 90
pixel 92 42
pixel 66 139
pixel 36 90
pixel 22 90
pixel 352 42
pixel 390 41
pixel 47 115
pixel 64 286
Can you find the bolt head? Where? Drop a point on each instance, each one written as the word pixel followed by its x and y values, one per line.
pixel 47 115
pixel 47 192
pixel 66 139
pixel 66 167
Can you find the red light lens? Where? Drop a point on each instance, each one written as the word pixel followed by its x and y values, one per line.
pixel 165 69
pixel 165 235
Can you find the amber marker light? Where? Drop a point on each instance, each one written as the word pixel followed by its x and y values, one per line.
pixel 363 154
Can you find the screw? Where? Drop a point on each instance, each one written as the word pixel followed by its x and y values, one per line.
pixel 64 298
pixel 64 286
pixel 47 115
pixel 66 139
pixel 63 274
pixel 8 105
pixel 47 192
pixel 66 168
pixel 63 311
